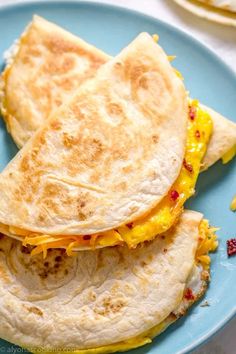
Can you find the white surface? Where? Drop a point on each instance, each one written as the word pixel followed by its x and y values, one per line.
pixel 223 41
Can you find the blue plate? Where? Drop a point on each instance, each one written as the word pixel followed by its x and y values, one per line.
pixel 207 78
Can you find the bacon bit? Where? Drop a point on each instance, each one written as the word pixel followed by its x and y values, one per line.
pixel 174 195
pixel 192 112
pixel 165 250
pixel 25 250
pixel 87 237
pixel 130 225
pixel 188 166
pixel 197 134
pixel 189 294
pixel 231 247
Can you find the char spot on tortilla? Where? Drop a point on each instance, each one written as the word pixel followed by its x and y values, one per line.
pixel 35 310
pixel 110 306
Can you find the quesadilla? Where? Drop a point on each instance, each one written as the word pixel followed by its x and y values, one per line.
pixel 104 301
pixel 219 11
pixel 44 67
pixel 114 164
pixel 41 74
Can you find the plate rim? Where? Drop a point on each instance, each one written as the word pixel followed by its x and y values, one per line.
pixel 27 3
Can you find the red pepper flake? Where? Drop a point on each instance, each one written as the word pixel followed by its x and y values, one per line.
pixel 231 247
pixel 189 294
pixel 197 134
pixel 174 195
pixel 87 237
pixel 130 225
pixel 192 112
pixel 188 166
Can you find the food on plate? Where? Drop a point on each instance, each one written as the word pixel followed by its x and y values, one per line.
pixel 59 62
pixel 109 300
pixel 222 12
pixel 114 164
pixel 43 68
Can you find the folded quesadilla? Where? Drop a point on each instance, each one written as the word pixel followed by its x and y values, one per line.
pixel 47 65
pixel 44 67
pixel 104 301
pixel 114 164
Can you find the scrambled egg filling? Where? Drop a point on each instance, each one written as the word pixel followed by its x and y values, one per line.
pixel 207 243
pixel 168 210
pixel 161 218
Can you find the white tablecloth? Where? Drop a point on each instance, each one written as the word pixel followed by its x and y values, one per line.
pixel 223 41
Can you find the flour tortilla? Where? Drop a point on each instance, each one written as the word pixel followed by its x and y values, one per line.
pixel 222 140
pixel 98 297
pixel 61 80
pixel 210 13
pixel 108 155
pixel 49 65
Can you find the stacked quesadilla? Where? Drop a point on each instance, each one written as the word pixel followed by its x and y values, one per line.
pixel 142 142
pixel 111 148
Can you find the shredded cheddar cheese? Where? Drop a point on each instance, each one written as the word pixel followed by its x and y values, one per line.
pixel 44 242
pixel 207 243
